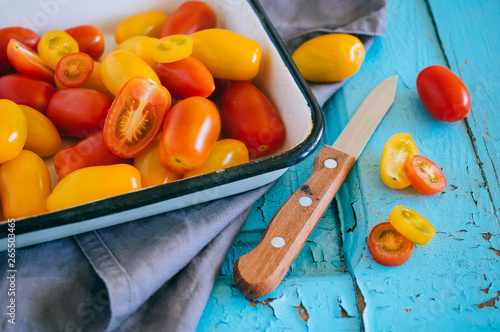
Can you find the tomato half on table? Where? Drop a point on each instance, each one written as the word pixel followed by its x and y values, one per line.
pixel 89 38
pixel 249 116
pixel 188 18
pixel 26 90
pixel 388 246
pixel 27 61
pixel 136 117
pixel 74 70
pixel 397 151
pixel 412 225
pixel 25 36
pixel 425 176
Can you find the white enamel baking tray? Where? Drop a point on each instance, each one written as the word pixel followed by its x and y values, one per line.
pixel 278 78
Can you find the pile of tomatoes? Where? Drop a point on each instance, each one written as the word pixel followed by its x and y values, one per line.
pixel 174 99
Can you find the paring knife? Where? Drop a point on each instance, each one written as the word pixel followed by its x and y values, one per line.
pixel 260 271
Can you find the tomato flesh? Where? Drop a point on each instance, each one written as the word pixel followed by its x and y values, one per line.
pixel 172 48
pixel 397 151
pixel 412 225
pixel 25 36
pixel 54 45
pixel 425 176
pixel 27 61
pixel 389 247
pixel 74 70
pixel 136 117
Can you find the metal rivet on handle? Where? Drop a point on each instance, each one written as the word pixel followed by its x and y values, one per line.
pixel 330 163
pixel 277 242
pixel 305 201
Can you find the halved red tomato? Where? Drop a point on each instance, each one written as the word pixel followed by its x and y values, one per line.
pixel 136 117
pixel 387 246
pixel 425 175
pixel 89 38
pixel 27 61
pixel 74 69
pixel 26 36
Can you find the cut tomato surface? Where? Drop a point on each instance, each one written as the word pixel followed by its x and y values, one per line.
pixel 412 225
pixel 136 117
pixel 27 61
pixel 425 175
pixel 388 246
pixel 74 69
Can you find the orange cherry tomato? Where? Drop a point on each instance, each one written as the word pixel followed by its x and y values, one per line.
pixel 224 154
pixel 248 115
pixel 93 183
pixel 152 171
pixel 43 137
pixel 148 23
pixel 188 18
pixel 136 117
pixel 425 176
pixel 27 61
pixel 186 78
pixel 191 128
pixel 13 130
pixel 24 185
pixel 387 246
pixel 89 38
pixel 75 69
pixel 54 45
pixel 120 66
pixel 25 36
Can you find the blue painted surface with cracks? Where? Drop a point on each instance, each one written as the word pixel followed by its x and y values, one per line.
pixel 453 283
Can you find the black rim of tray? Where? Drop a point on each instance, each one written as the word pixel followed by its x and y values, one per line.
pixel 172 190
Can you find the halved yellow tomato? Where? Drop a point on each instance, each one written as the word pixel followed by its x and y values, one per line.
pixel 412 225
pixel 13 130
pixel 172 48
pixel 54 45
pixel 148 23
pixel 397 151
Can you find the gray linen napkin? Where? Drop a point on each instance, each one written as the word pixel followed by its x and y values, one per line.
pixel 156 274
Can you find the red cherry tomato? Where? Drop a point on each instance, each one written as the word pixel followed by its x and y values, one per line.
pixel 248 116
pixel 136 117
pixel 89 38
pixel 443 94
pixel 27 61
pixel 387 246
pixel 78 112
pixel 191 128
pixel 186 78
pixel 90 151
pixel 425 175
pixel 189 17
pixel 25 36
pixel 26 90
pixel 74 70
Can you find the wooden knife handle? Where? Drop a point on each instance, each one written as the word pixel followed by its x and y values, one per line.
pixel 260 271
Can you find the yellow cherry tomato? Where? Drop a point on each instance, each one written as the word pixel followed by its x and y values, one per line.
pixel 226 54
pixel 93 183
pixel 152 171
pixel 142 46
pixel 172 48
pixel 13 130
pixel 224 153
pixel 24 185
pixel 43 137
pixel 148 23
pixel 54 45
pixel 397 151
pixel 329 58
pixel 412 225
pixel 118 67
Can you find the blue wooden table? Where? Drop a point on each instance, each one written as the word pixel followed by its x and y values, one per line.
pixel 453 283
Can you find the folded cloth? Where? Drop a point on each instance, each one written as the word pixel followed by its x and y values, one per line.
pixel 156 274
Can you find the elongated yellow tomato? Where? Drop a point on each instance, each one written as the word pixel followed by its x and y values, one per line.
pixel 43 137
pixel 54 45
pixel 120 66
pixel 24 185
pixel 92 183
pixel 397 151
pixel 148 23
pixel 329 58
pixel 226 54
pixel 225 153
pixel 142 46
pixel 13 130
pixel 412 225
pixel 152 171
